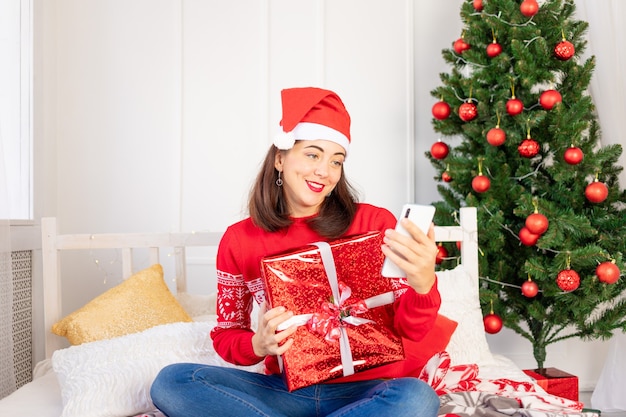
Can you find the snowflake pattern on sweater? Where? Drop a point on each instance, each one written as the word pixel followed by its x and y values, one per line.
pixel 235 304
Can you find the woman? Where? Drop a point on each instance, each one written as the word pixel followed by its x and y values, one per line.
pixel 301 196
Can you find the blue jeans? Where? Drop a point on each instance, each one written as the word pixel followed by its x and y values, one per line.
pixel 192 390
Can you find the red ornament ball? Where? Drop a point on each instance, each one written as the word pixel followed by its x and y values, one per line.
pixel 492 323
pixel 481 183
pixel 478 5
pixel 468 112
pixel 527 237
pixel 549 98
pixel 596 192
pixel 529 8
pixel 568 280
pixel 608 272
pixel 514 106
pixel 442 254
pixel 528 148
pixel 496 136
pixel 564 50
pixel 494 49
pixel 439 150
pixel 530 289
pixel 446 176
pixel 441 110
pixel 573 155
pixel 537 223
pixel 460 46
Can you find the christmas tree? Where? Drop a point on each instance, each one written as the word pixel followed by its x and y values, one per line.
pixel 522 144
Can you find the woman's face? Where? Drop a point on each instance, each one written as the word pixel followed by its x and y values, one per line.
pixel 310 171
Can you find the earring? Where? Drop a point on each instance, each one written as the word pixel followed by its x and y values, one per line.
pixel 279 181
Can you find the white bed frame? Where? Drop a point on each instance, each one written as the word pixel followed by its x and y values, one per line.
pixel 53 243
pixel 46 390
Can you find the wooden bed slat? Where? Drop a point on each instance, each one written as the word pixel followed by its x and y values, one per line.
pixel 53 243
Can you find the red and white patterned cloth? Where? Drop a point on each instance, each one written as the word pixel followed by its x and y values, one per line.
pixel 462 393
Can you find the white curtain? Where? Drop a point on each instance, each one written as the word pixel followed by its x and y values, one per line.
pixel 607 40
pixel 7 363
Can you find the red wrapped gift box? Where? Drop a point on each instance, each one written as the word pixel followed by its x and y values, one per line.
pixel 342 305
pixel 555 382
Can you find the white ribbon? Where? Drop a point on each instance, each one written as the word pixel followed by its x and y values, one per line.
pixel 375 301
pixel 331 272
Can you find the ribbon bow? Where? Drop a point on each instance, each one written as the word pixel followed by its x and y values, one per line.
pixel 328 321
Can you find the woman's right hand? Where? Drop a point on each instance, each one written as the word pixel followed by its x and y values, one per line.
pixel 266 341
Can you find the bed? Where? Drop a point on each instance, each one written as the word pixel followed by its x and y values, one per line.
pixel 121 343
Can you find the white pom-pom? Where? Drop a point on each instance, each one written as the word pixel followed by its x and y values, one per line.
pixel 284 140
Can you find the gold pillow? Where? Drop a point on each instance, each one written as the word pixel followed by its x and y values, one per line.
pixel 140 302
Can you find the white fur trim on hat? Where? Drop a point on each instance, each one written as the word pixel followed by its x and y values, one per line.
pixel 284 140
pixel 310 131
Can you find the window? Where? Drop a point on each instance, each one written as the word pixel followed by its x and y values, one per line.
pixel 16 49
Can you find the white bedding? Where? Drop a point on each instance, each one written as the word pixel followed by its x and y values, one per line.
pixel 42 397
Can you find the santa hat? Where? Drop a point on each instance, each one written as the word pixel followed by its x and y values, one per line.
pixel 311 113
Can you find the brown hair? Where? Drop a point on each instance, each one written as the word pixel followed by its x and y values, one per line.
pixel 268 207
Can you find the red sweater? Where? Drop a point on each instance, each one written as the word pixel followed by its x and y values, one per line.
pixel 239 282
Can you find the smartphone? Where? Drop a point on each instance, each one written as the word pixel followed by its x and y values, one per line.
pixel 422 216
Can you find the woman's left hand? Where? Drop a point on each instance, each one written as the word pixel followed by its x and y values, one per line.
pixel 415 255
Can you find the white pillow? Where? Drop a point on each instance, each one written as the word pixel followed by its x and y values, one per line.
pixel 460 302
pixel 196 304
pixel 113 377
pixel 202 307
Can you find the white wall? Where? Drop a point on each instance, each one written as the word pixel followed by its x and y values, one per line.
pixel 153 115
